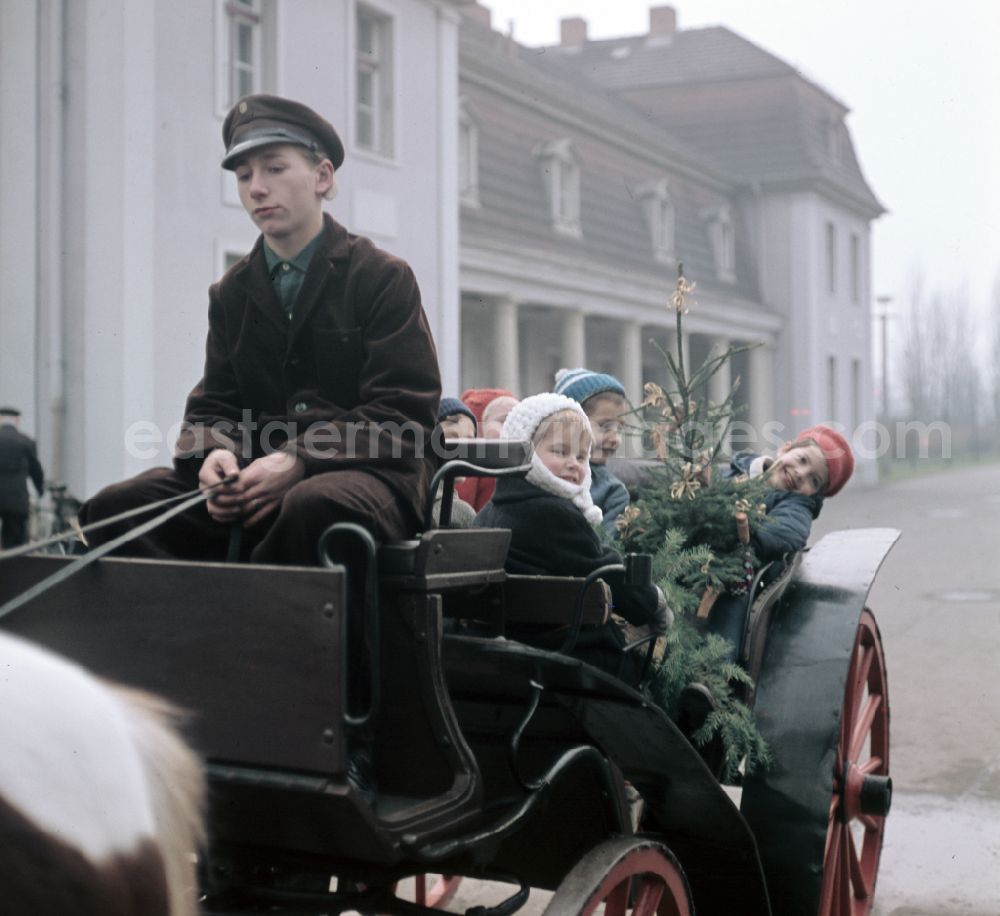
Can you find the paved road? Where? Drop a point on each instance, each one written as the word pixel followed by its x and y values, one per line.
pixel 937 600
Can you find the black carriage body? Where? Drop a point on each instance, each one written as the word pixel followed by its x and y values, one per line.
pixel 257 656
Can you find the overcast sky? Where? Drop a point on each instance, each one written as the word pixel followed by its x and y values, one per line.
pixel 921 80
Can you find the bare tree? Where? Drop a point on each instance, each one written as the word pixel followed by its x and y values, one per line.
pixel 995 352
pixel 942 377
pixel 916 352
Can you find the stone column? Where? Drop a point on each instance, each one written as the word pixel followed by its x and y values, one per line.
pixel 507 361
pixel 630 366
pixel 761 395
pixel 720 383
pixel 574 339
pixel 668 340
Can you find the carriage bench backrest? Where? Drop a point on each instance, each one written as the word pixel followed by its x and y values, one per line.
pixel 542 600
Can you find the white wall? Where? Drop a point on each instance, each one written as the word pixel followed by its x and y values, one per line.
pixel 819 324
pixel 120 168
pixel 18 217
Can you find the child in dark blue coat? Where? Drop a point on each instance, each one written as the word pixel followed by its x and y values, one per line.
pixel 551 515
pixel 803 473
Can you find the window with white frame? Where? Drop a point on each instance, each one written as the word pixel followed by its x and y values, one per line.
pixel 658 212
pixel 722 235
pixel 561 174
pixel 468 155
pixel 831 258
pixel 244 23
pixel 374 108
pixel 244 49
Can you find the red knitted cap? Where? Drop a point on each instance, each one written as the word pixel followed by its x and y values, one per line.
pixel 476 399
pixel 837 452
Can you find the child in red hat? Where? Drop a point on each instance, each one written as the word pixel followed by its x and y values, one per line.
pixel 803 473
pixel 490 407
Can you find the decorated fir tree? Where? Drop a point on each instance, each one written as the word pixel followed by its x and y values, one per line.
pixel 697 524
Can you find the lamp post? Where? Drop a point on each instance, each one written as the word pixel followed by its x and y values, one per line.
pixel 884 318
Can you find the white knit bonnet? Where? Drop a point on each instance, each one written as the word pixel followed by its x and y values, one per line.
pixel 522 422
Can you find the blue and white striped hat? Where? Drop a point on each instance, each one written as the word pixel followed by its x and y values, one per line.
pixel 581 384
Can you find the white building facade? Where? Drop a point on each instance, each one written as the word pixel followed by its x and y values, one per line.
pixel 598 166
pixel 115 215
pixel 543 201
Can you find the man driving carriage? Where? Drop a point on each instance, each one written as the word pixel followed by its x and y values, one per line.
pixel 321 380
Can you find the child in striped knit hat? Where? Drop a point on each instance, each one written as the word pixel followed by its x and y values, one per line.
pixel 551 516
pixel 603 400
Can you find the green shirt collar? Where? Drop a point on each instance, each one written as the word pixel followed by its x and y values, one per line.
pixel 300 261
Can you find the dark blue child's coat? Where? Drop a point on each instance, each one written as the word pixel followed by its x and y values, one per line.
pixel 790 516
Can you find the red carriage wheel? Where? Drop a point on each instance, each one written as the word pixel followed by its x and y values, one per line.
pixel 625 874
pixel 862 789
pixel 440 891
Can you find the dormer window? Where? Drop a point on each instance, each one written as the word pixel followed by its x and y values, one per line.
pixel 468 154
pixel 723 239
pixel 658 213
pixel 561 175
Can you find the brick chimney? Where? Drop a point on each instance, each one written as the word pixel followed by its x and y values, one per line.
pixel 572 32
pixel 477 13
pixel 662 22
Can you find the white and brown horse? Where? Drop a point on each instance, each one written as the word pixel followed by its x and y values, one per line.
pixel 100 799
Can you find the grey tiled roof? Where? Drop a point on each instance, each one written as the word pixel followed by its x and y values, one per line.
pixel 521 97
pixel 692 55
pixel 755 115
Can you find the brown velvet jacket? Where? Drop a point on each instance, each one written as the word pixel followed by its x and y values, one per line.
pixel 351 381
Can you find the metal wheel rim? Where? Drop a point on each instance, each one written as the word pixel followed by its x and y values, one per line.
pixel 639 877
pixel 854 839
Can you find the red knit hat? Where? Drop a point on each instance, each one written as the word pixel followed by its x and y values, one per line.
pixel 836 451
pixel 476 399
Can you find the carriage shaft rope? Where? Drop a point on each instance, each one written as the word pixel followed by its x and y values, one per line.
pixel 104 522
pixel 190 499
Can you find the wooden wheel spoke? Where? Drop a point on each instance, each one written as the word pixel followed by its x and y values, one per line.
pixel 846 871
pixel 832 852
pixel 863 725
pixel 625 876
pixel 647 901
pixel 851 857
pixel 616 903
pixel 861 668
pixel 858 880
pixel 871 765
pixel 870 822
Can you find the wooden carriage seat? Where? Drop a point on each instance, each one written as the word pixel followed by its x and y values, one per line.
pixel 534 600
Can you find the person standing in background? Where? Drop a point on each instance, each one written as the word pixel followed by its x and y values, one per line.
pixel 18 462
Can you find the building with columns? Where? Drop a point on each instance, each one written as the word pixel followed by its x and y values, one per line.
pixel 543 200
pixel 587 172
pixel 116 216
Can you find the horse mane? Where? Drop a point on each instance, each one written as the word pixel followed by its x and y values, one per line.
pixel 176 782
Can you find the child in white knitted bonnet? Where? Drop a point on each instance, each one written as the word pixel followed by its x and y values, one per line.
pixel 551 516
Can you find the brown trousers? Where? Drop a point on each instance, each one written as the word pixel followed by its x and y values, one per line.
pixel 288 536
